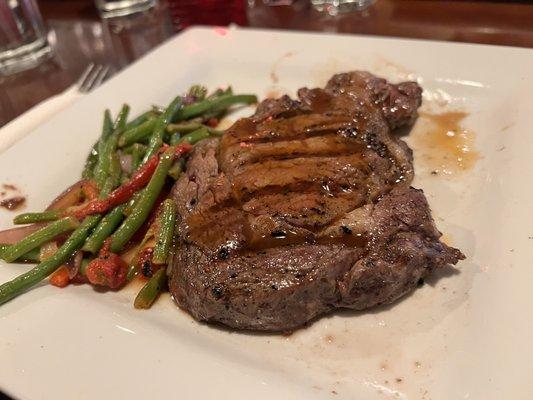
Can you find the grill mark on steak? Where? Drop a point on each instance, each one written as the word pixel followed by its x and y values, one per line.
pixel 305 207
pixel 384 146
pixel 327 145
pixel 314 171
pixel 253 228
pixel 297 127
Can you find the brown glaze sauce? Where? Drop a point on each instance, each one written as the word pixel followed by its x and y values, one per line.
pixel 11 198
pixel 287 237
pixel 270 234
pixel 443 144
pixel 13 203
pixel 320 101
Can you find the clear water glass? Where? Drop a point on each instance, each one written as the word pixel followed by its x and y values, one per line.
pixel 23 42
pixel 334 7
pixel 120 8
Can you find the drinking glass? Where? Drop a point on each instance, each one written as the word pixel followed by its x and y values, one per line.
pixel 23 42
pixel 120 8
pixel 334 7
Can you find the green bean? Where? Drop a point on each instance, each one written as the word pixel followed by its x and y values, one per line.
pixel 198 92
pixel 149 292
pixel 156 140
pixel 107 187
pixel 120 123
pixel 90 162
pixel 131 204
pixel 115 170
pixel 33 217
pixel 132 147
pixel 219 111
pixel 107 130
pixel 188 127
pixel 219 92
pixel 138 133
pixel 83 267
pixel 37 238
pixel 177 168
pixel 102 167
pixel 132 272
pixel 157 110
pixel 145 116
pixel 31 256
pixel 101 171
pixel 191 127
pixel 105 228
pixel 223 101
pixel 13 288
pixel 165 233
pixel 144 204
pixel 215 132
pixel 137 154
pixel 92 158
pixel 174 139
pixel 184 127
pixel 135 146
pixel 216 112
pixel 195 136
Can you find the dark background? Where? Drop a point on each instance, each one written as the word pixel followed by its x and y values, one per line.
pixel 79 36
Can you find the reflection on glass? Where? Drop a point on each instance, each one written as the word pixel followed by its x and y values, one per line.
pixel 132 36
pixel 334 7
pixel 23 42
pixel 119 8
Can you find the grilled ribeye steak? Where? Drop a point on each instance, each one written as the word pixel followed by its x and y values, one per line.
pixel 305 207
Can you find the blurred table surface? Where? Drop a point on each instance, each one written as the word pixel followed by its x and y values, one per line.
pixel 79 36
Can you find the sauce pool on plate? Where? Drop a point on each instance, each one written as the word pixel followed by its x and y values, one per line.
pixel 443 144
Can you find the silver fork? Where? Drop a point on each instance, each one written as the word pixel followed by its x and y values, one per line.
pixel 92 77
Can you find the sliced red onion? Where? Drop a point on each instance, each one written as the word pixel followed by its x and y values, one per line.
pixel 72 196
pixel 11 236
pixel 126 163
pixel 73 264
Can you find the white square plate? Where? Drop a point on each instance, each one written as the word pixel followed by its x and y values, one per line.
pixel 467 335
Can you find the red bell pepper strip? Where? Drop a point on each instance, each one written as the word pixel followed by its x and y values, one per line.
pixel 123 193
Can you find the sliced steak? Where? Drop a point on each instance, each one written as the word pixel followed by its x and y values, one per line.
pixel 304 207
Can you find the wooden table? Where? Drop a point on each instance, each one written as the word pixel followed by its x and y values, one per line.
pixel 80 37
